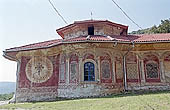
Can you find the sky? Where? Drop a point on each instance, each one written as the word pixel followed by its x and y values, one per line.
pixel 29 21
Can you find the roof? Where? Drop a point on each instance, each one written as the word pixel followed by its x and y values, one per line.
pixel 100 21
pixel 76 23
pixel 150 38
pixel 35 45
pixel 153 38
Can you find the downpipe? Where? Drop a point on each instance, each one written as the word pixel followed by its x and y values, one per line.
pixel 124 68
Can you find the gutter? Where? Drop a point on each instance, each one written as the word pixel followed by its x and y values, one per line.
pixel 18 66
pixel 8 57
pixel 149 42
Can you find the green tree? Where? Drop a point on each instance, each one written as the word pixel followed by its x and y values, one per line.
pixel 164 27
pixel 153 29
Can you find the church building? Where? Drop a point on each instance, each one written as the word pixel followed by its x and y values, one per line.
pixel 93 58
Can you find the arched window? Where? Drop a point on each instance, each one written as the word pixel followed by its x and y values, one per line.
pixel 151 63
pixel 89 74
pixel 152 70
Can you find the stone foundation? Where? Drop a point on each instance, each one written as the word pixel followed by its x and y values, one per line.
pixel 66 92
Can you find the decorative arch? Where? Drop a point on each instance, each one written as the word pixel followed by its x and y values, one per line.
pixel 106 68
pixel 150 54
pixel 106 53
pixel 90 58
pixel 132 67
pixel 73 68
pixel 151 66
pixel 83 68
pixel 166 62
pixel 166 56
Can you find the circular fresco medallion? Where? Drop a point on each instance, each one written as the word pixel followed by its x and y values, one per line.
pixel 39 69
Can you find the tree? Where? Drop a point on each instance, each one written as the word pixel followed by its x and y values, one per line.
pixel 153 30
pixel 164 27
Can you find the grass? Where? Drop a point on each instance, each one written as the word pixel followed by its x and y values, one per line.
pixel 129 101
pixel 4 97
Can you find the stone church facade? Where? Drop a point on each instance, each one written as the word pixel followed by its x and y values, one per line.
pixel 93 58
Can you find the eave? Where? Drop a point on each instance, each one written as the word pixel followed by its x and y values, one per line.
pixel 90 41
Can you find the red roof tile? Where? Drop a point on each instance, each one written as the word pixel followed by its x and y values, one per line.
pixel 144 38
pixel 153 37
pixel 35 45
pixel 116 38
pixel 85 38
pixel 99 21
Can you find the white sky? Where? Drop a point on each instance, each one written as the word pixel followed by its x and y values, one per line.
pixel 28 21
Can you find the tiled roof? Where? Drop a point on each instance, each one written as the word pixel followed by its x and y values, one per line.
pixel 144 38
pixel 88 38
pixel 99 21
pixel 153 38
pixel 96 38
pixel 35 45
pixel 78 23
pixel 90 21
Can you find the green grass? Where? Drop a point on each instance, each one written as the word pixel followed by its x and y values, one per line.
pixel 130 101
pixel 6 96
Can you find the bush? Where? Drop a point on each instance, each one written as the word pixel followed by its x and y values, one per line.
pixel 4 97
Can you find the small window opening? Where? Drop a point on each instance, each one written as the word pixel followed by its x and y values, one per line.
pixel 91 30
